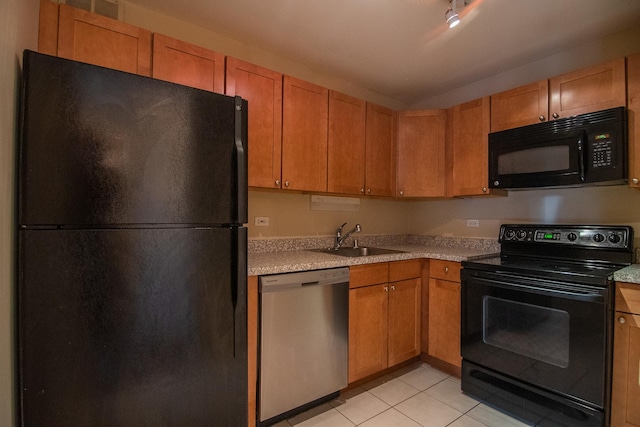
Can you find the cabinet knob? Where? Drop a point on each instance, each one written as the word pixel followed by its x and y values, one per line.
pixel 484 189
pixel 361 190
pixel 555 115
pixel 542 118
pixel 446 269
pixel 286 183
pixel 368 191
pixel 622 320
pixel 401 193
pixel 277 183
pixel 635 180
pixel 393 287
pixel 386 289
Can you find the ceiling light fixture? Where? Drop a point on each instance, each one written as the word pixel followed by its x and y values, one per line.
pixel 451 15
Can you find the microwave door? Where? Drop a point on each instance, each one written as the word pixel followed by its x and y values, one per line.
pixel 534 162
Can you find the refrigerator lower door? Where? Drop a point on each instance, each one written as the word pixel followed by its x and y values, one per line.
pixel 137 327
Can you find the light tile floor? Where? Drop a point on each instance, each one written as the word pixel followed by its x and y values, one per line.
pixel 418 395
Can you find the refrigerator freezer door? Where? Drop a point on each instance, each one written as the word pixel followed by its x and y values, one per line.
pixel 104 147
pixel 143 327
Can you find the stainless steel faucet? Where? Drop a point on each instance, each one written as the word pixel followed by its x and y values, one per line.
pixel 340 238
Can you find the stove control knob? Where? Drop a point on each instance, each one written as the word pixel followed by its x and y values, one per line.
pixel 598 237
pixel 572 237
pixel 510 234
pixel 521 234
pixel 614 238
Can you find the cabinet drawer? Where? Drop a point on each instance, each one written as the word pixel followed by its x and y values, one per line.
pixel 403 270
pixel 368 274
pixel 444 270
pixel 628 298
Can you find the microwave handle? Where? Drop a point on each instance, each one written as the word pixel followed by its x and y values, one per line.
pixel 581 154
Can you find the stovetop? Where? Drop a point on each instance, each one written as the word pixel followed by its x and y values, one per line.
pixel 576 272
pixel 578 254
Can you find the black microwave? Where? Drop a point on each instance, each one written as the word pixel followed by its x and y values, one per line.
pixel 587 149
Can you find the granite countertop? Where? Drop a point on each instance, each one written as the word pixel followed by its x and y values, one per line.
pixel 630 274
pixel 298 256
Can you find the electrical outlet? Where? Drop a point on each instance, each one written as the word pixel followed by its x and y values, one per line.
pixel 261 221
pixel 473 223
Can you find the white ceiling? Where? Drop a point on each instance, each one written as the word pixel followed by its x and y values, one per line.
pixel 402 48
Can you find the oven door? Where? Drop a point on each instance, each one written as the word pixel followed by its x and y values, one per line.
pixel 549 334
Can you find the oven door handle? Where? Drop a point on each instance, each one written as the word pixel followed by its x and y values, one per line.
pixel 545 287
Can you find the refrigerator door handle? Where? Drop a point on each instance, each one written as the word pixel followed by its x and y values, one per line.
pixel 241 131
pixel 239 296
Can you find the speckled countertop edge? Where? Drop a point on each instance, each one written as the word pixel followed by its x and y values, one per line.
pixel 630 274
pixel 297 255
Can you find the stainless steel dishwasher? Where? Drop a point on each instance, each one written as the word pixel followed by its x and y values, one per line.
pixel 304 328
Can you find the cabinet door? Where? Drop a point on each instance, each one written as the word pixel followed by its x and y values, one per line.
pixel 380 167
pixel 346 152
pixel 304 135
pixel 95 39
pixel 524 105
pixel 187 64
pixel 262 88
pixel 471 148
pixel 633 97
pixel 590 89
pixel 404 320
pixel 625 398
pixel 421 155
pixel 368 311
pixel 48 28
pixel 444 321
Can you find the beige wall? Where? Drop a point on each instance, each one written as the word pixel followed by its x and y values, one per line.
pixel 18 31
pixel 616 205
pixel 181 30
pixel 290 215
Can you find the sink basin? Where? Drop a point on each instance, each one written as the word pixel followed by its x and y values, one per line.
pixel 358 252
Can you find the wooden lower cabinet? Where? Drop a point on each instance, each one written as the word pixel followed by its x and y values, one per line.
pixel 625 397
pixel 384 316
pixel 368 333
pixel 444 311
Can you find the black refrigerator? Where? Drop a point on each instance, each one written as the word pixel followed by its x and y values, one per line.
pixel 131 299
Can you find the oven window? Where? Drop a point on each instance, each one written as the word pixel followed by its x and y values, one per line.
pixel 531 160
pixel 533 331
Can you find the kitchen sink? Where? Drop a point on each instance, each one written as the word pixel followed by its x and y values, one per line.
pixel 358 252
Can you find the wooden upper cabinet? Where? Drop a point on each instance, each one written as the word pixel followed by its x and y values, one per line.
pixel 380 166
pixel 95 39
pixel 48 28
pixel 187 64
pixel 590 89
pixel 262 88
pixel 421 153
pixel 346 144
pixel 633 99
pixel 304 135
pixel 524 105
pixel 470 123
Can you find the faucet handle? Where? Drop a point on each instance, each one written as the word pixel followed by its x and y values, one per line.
pixel 339 230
